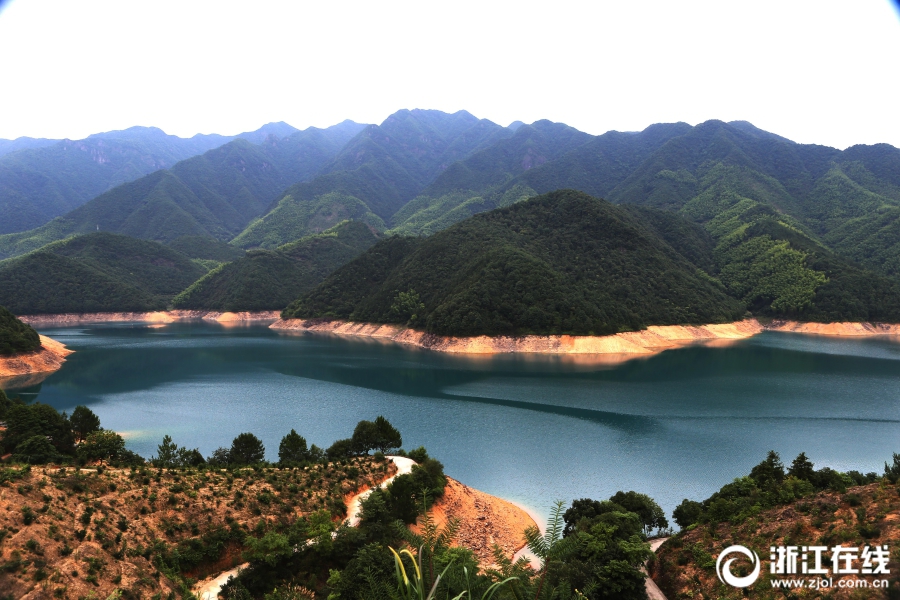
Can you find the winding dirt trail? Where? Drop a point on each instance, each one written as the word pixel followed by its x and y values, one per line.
pixel 209 588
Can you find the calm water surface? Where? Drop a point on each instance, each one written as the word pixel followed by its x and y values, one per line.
pixel 528 428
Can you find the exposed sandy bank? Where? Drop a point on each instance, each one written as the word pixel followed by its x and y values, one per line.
pixel 34 366
pixel 165 316
pixel 651 340
pixel 839 329
pixel 485 520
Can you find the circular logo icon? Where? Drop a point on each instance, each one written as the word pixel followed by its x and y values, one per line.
pixel 724 571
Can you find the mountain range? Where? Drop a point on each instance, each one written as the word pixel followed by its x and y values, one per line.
pixel 790 229
pixel 41 179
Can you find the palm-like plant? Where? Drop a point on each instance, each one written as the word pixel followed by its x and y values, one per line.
pixel 505 569
pixel 413 587
pixel 551 546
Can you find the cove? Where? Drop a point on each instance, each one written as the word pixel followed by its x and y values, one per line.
pixel 528 428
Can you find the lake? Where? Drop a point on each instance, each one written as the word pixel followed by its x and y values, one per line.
pixel 532 429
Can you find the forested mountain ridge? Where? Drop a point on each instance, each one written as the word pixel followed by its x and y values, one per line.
pixel 787 230
pixel 97 272
pixel 23 143
pixel 539 158
pixel 271 279
pixel 45 180
pixel 562 263
pixel 379 171
pixel 847 201
pixel 214 195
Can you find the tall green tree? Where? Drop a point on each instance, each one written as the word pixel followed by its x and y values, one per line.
pixel 293 449
pixel 802 468
pixel 365 437
pixel 166 453
pixel 388 435
pixel 101 445
pixel 84 422
pixel 247 449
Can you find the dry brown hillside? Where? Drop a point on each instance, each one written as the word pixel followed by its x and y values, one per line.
pixel 863 516
pixel 69 533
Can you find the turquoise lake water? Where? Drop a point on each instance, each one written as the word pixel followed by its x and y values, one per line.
pixel 529 428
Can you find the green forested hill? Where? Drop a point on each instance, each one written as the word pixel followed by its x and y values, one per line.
pixel 560 263
pixel 41 181
pixel 98 272
pixel 271 279
pixel 375 174
pixel 213 195
pixel 205 248
pixel 16 336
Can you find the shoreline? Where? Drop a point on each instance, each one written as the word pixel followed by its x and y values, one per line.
pixel 31 368
pixel 837 329
pixel 160 316
pixel 619 346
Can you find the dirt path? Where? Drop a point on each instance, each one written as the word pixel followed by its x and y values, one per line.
pixel 653 591
pixel 209 588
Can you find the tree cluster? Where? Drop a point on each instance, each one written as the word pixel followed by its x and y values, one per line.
pixel 38 434
pixel 770 484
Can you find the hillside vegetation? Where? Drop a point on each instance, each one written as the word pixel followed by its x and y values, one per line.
pixel 775 506
pixel 562 263
pixel 98 272
pixel 16 336
pixel 271 279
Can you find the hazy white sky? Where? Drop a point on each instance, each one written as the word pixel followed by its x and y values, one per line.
pixel 816 71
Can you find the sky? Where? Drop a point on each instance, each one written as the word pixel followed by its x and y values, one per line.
pixel 817 71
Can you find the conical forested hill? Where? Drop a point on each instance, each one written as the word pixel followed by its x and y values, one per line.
pixel 562 263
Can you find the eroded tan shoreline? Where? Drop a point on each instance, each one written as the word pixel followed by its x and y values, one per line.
pixel 31 368
pixel 836 329
pixel 650 341
pixel 162 316
pixel 620 346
